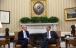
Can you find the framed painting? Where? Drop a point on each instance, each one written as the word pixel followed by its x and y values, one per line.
pixel 5 17
pixel 38 8
pixel 70 13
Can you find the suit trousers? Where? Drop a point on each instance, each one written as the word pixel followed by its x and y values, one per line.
pixel 24 43
pixel 46 42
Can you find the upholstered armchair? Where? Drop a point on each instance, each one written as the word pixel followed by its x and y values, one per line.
pixel 58 41
pixel 15 40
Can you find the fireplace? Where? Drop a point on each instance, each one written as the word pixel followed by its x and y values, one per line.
pixel 37 30
pixel 36 39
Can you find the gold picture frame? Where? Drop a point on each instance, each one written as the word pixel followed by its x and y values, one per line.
pixel 38 8
pixel 70 13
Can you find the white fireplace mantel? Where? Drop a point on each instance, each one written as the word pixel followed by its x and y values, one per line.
pixel 38 24
pixel 39 27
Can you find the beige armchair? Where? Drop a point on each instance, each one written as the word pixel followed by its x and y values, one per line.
pixel 58 41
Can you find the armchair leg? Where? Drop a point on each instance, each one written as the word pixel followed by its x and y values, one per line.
pixel 4 46
pixel 9 45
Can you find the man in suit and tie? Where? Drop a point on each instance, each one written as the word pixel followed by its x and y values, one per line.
pixel 49 37
pixel 23 37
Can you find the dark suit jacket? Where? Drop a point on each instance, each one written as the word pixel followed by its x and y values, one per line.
pixel 21 36
pixel 53 35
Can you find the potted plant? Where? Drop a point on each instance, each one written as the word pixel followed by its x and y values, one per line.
pixel 34 19
pixel 24 19
pixel 53 19
pixel 43 19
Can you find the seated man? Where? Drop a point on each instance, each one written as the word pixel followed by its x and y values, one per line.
pixel 23 37
pixel 49 37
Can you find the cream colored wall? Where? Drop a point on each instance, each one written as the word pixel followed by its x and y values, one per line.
pixel 21 8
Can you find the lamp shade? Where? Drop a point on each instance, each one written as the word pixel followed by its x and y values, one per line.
pixel 0 25
pixel 75 25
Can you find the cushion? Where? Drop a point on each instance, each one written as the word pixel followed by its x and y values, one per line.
pixel 52 46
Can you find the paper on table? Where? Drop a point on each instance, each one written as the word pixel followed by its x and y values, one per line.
pixel 2 38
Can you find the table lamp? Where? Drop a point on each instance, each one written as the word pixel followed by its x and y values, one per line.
pixel 75 31
pixel 0 25
pixel 75 25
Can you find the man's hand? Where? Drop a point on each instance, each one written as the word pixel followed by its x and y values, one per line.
pixel 59 39
pixel 28 38
pixel 48 38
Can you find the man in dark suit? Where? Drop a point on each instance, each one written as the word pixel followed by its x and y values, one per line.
pixel 49 37
pixel 23 37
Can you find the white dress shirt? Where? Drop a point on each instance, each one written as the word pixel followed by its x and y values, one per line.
pixel 49 34
pixel 24 34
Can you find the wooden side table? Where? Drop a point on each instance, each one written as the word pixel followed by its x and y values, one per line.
pixel 2 42
pixel 70 41
pixel 6 41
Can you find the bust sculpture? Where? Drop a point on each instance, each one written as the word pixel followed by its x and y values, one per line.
pixel 7 32
pixel 73 29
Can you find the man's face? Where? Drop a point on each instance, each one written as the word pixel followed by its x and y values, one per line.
pixel 47 28
pixel 25 28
